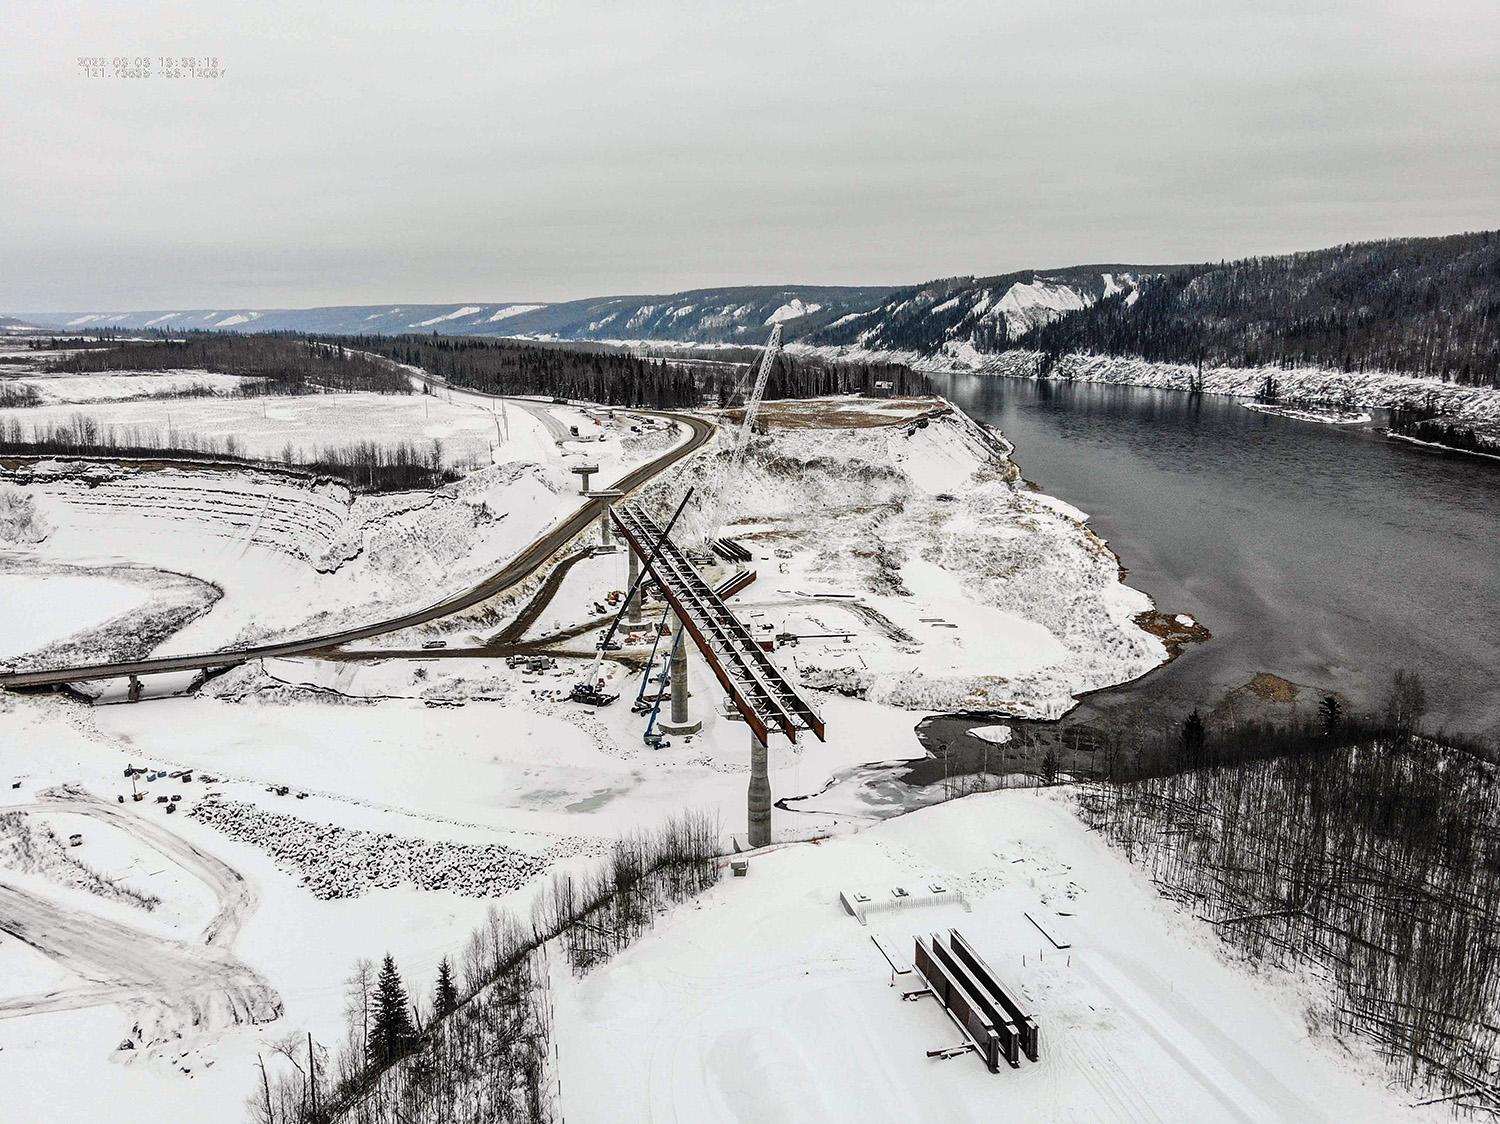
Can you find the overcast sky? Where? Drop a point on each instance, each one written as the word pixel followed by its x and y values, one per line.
pixel 362 152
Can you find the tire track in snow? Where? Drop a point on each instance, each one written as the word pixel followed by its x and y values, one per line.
pixel 172 984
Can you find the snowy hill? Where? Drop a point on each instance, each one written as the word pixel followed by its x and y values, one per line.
pixel 728 315
pixel 985 313
pixel 1413 305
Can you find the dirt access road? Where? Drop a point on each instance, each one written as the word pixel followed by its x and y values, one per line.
pixel 171 985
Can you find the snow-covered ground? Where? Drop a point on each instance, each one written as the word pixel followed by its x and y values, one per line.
pixel 43 608
pixel 61 389
pixel 288 550
pixel 765 1000
pixel 340 809
pixel 265 426
pixel 958 587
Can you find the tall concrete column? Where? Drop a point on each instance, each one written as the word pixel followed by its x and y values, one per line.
pixel 633 608
pixel 760 793
pixel 680 723
pixel 606 533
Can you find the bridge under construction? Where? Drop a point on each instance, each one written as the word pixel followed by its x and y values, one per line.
pixel 756 687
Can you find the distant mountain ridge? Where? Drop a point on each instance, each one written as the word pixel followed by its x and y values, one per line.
pixel 1428 306
pixel 986 314
pixel 737 314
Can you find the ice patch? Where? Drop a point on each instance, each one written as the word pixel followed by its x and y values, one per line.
pixel 995 735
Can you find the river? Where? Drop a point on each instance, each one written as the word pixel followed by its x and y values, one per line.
pixel 1324 554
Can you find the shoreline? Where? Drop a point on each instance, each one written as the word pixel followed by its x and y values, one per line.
pixel 1439 447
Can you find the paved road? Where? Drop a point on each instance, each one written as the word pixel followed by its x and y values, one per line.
pixel 517 570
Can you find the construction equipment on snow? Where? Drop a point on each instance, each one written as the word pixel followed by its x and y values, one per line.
pixel 591 690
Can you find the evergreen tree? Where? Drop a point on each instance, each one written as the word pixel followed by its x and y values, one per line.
pixel 1331 714
pixel 1193 737
pixel 445 1001
pixel 392 1035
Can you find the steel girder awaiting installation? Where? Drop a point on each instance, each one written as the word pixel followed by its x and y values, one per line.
pixel 756 686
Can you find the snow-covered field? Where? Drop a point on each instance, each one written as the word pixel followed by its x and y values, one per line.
pixel 264 427
pixel 113 387
pixel 765 1000
pixel 287 550
pixel 339 809
pixel 42 608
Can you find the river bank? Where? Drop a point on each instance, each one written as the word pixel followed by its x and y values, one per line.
pixel 1325 554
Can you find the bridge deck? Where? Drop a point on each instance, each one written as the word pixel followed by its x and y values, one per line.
pixel 759 690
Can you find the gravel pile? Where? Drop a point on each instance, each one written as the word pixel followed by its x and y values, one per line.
pixel 338 862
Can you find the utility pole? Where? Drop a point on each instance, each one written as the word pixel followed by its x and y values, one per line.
pixel 312 1076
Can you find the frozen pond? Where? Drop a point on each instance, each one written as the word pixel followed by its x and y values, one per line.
pixel 39 609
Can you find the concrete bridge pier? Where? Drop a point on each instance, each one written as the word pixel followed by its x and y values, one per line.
pixel 633 608
pixel 133 692
pixel 759 802
pixel 606 533
pixel 680 723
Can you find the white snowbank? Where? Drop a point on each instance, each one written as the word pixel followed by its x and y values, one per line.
pixel 793 309
pixel 512 310
pixel 1026 305
pixel 995 735
pixel 456 314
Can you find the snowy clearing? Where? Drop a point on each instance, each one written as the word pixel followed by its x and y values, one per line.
pixel 76 389
pixel 41 609
pixel 766 1000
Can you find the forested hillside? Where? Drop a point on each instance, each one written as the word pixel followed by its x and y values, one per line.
pixel 985 313
pixel 735 314
pixel 1422 306
pixel 620 379
pixel 1425 306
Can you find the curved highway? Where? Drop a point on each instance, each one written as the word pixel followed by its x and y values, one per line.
pixel 516 570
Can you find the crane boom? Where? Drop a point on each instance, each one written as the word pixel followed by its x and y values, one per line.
pixel 752 401
pixel 730 471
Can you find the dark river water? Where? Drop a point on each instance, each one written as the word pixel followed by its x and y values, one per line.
pixel 1325 554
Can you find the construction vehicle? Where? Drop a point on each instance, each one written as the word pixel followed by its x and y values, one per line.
pixel 590 691
pixel 643 704
pixel 654 737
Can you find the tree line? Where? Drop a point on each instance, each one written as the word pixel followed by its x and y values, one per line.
pixel 477 1049
pixel 278 363
pixel 619 378
pixel 1425 306
pixel 366 466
